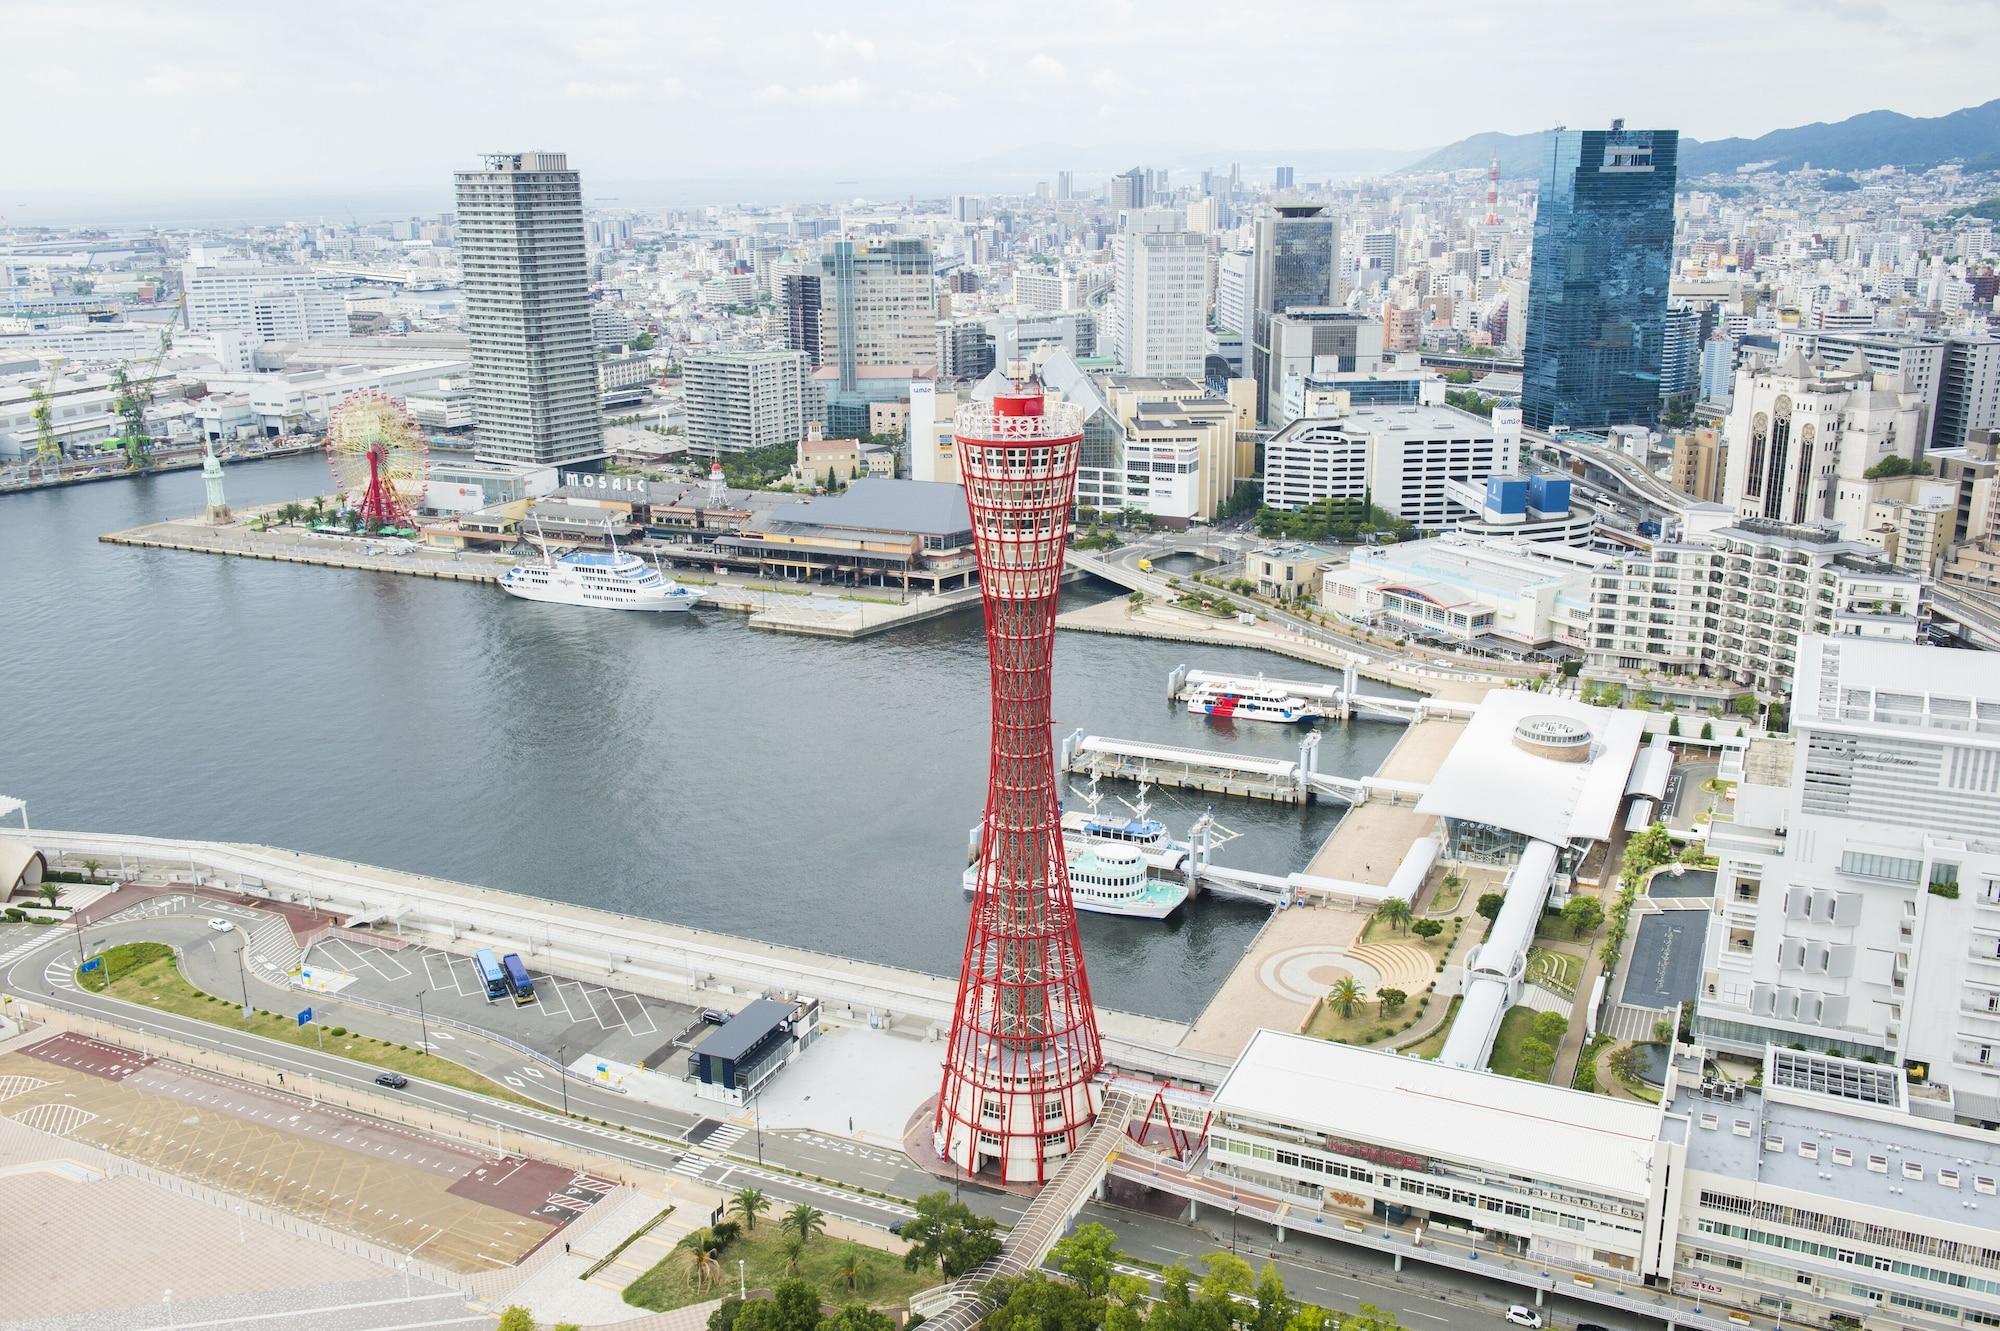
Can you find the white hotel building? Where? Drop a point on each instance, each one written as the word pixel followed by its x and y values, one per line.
pixel 1858 893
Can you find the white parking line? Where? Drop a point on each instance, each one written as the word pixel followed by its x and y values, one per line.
pixel 555 988
pixel 618 1001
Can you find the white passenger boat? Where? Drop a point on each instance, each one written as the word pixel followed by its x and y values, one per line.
pixel 1112 880
pixel 1256 701
pixel 611 579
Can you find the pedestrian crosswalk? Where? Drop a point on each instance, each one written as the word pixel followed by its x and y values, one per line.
pixel 22 949
pixel 691 1166
pixel 725 1137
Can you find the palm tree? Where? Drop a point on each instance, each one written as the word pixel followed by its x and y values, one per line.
pixel 1345 995
pixel 795 1251
pixel 1394 912
pixel 750 1203
pixel 52 893
pixel 699 1245
pixel 805 1221
pixel 90 869
pixel 850 1268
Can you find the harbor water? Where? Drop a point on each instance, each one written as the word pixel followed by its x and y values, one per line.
pixel 678 767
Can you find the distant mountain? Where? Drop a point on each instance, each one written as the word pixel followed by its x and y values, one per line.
pixel 1858 143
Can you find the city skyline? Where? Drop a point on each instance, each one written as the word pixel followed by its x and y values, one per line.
pixel 880 100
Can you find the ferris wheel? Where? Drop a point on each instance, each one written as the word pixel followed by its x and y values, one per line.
pixel 378 457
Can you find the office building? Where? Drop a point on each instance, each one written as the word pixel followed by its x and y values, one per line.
pixel 1699 464
pixel 1597 289
pixel 1065 186
pixel 965 348
pixel 1128 190
pixel 1160 297
pixel 1297 252
pixel 879 306
pixel 1718 368
pixel 527 311
pixel 1680 353
pixel 1307 342
pixel 1281 178
pixel 1725 608
pixel 266 302
pixel 1917 361
pixel 1857 904
pixel 1042 286
pixel 1234 278
pixel 1968 397
pixel 799 295
pixel 1801 436
pixel 740 400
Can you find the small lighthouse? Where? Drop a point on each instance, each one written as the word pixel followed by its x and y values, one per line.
pixel 218 514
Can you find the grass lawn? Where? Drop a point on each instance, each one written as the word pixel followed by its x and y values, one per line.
pixel 1555 969
pixel 1446 898
pixel 1433 1044
pixel 884 1282
pixel 1516 1026
pixel 1366 1026
pixel 145 973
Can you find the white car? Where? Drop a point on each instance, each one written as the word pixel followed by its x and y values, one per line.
pixel 220 925
pixel 1522 1315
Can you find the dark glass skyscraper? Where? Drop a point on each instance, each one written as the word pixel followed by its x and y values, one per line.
pixel 1597 291
pixel 1297 267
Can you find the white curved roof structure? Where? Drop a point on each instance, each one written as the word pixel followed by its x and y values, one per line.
pixel 1489 778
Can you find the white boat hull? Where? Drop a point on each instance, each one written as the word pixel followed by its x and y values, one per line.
pixel 565 596
pixel 1151 907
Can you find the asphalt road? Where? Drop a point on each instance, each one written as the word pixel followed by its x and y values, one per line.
pixel 1315 1269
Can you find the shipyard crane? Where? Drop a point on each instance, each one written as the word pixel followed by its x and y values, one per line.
pixel 48 448
pixel 138 396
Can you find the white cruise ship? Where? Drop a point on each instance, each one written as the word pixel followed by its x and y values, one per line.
pixel 1251 702
pixel 611 579
pixel 1112 880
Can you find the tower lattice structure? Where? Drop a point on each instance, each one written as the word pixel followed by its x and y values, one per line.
pixel 1018 1087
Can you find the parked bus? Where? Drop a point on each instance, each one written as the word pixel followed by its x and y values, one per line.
pixel 489 970
pixel 517 978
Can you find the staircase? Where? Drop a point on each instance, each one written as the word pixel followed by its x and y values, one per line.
pixel 1045 1219
pixel 274 953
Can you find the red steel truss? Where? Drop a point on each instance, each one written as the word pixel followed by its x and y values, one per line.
pixel 1018 1090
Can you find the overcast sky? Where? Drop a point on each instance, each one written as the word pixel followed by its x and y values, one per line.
pixel 193 97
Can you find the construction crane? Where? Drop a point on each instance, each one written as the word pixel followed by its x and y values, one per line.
pixel 48 448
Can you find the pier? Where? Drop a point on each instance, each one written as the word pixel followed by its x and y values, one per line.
pixel 1285 780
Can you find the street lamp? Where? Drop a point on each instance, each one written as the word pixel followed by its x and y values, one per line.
pixel 562 1075
pixel 423 1022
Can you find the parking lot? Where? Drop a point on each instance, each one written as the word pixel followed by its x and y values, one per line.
pixel 568 1018
pixel 457 1206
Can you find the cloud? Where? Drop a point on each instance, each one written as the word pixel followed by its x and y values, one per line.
pixel 1044 65
pixel 845 43
pixel 619 90
pixel 840 92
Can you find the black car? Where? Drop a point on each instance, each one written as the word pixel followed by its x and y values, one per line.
pixel 395 1081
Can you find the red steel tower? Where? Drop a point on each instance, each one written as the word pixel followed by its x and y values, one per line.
pixel 1493 190
pixel 1017 1090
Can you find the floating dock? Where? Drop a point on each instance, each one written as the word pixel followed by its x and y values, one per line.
pixel 1340 701
pixel 1285 780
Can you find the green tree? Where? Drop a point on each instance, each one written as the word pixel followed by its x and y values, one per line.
pixel 1535 1059
pixel 1674 724
pixel 1427 928
pixel 857 1317
pixel 1394 912
pixel 1743 704
pixel 1345 995
pixel 90 868
pixel 566 1326
pixel 1708 730
pixel 1275 1308
pixel 947 1235
pixel 1490 904
pixel 1582 915
pixel 643 342
pixel 805 1221
pixel 794 1306
pixel 1229 1277
pixel 1663 1030
pixel 1390 1000
pixel 795 1255
pixel 749 1204
pixel 52 892
pixel 1089 1257
pixel 517 1318
pixel 1550 1027
pixel 699 1250
pixel 1036 1303
pixel 724 1316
